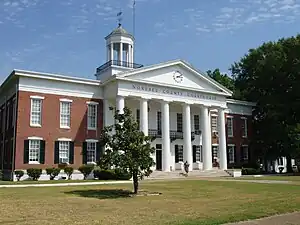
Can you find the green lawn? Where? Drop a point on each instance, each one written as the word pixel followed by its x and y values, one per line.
pixel 273 177
pixel 183 202
pixel 47 182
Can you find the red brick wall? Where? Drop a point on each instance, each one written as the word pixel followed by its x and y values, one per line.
pixel 50 130
pixel 237 138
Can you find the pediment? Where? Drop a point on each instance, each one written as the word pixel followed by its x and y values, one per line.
pixel 176 74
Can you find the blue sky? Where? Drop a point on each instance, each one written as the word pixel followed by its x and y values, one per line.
pixel 67 36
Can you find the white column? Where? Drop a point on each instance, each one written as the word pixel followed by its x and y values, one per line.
pixel 166 154
pixel 144 116
pixel 206 139
pixel 132 52
pixel 187 149
pixel 121 54
pixel 120 104
pixel 111 51
pixel 222 139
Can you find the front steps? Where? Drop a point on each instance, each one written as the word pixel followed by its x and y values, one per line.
pixel 180 174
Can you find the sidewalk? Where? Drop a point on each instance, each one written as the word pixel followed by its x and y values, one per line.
pixel 284 219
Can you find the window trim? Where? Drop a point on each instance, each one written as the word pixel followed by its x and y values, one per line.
pixel 96 113
pixel 64 139
pixel 40 98
pixel 91 141
pixel 230 118
pixel 244 152
pixel 211 118
pixel 245 121
pixel 59 142
pixel 33 138
pixel 233 147
pixel 63 100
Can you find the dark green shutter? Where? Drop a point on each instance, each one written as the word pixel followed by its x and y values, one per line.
pixel 176 154
pixel 98 152
pixel 56 152
pixel 194 153
pixel 42 152
pixel 235 158
pixel 242 154
pixel 84 152
pixel 71 152
pixel 26 151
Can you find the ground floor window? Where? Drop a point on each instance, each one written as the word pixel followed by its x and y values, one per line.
pixel 64 148
pixel 34 151
pixel 215 152
pixel 245 152
pixel 178 153
pixel 197 153
pixel 91 152
pixel 231 150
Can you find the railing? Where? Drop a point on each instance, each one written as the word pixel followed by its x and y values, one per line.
pixel 173 134
pixel 118 63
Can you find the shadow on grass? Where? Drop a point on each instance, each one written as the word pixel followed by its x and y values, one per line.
pixel 102 193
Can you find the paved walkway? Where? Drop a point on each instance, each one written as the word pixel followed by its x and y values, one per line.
pixel 285 219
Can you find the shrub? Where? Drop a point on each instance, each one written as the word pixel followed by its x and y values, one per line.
pixel 19 174
pixel 86 170
pixel 62 166
pixel 53 172
pixel 104 174
pixel 69 171
pixel 250 171
pixel 34 173
pixel 122 174
pixel 1 175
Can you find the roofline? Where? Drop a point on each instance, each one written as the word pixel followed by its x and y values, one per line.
pixel 51 76
pixel 239 102
pixel 8 78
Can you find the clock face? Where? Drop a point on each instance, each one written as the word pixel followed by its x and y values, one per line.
pixel 178 77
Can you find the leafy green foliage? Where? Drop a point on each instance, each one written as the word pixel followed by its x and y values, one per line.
pixel 127 148
pixel 116 174
pixel 86 170
pixel 34 173
pixel 19 174
pixel 223 79
pixel 52 172
pixel 270 76
pixel 69 171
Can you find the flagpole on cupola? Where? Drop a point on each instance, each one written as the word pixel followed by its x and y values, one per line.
pixel 133 29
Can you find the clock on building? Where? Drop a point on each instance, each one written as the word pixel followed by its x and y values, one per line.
pixel 178 77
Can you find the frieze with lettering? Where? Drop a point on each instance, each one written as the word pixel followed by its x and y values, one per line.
pixel 173 92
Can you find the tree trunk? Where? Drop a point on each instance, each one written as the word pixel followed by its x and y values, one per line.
pixel 135 182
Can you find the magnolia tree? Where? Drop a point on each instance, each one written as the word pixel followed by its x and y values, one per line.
pixel 126 147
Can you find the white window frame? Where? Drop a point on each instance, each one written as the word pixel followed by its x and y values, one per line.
pixel 32 100
pixel 89 119
pixel 34 141
pixel 232 153
pixel 247 148
pixel 245 121
pixel 68 124
pixel 179 122
pixel 63 141
pixel 196 122
pixel 214 124
pixel 90 142
pixel 231 119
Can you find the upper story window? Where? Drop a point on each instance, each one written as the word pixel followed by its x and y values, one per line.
pixel 158 121
pixel 244 127
pixel 196 123
pixel 65 113
pixel 36 111
pixel 179 122
pixel 92 115
pixel 230 126
pixel 214 123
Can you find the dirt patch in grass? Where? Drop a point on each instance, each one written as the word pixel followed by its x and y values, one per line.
pixel 181 202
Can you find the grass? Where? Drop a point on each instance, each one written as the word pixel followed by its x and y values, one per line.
pixel 47 182
pixel 273 177
pixel 185 202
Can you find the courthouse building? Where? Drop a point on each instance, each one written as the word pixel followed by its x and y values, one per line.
pixel 47 119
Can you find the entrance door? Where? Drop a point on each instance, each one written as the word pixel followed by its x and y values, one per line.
pixel 158 157
pixel 215 156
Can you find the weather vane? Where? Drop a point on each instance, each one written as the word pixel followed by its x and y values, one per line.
pixel 119 15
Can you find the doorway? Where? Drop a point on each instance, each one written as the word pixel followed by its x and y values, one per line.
pixel 158 156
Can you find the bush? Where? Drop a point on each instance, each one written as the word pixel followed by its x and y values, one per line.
pixel 122 174
pixel 250 171
pixel 104 174
pixel 62 166
pixel 86 170
pixel 19 174
pixel 34 173
pixel 69 171
pixel 53 172
pixel 1 175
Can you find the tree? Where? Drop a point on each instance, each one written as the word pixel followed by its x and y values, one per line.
pixel 128 148
pixel 270 76
pixel 223 79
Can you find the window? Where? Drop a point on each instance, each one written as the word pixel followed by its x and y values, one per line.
pixel 215 152
pixel 178 153
pixel 34 151
pixel 65 114
pixel 197 153
pixel 196 123
pixel 158 146
pixel 138 117
pixel 158 121
pixel 91 152
pixel 179 122
pixel 244 127
pixel 245 152
pixel 230 126
pixel 231 154
pixel 36 112
pixel 92 116
pixel 64 147
pixel 214 123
